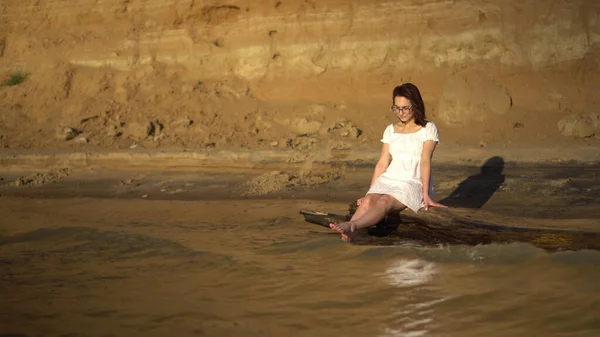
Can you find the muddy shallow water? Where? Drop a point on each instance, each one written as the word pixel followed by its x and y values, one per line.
pixel 109 255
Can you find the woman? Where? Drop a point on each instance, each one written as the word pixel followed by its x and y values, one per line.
pixel 402 176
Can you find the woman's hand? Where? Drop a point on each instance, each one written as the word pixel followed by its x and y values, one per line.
pixel 428 202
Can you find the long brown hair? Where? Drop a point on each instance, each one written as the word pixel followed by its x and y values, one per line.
pixel 412 93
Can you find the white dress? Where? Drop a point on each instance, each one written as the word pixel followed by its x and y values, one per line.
pixel 402 178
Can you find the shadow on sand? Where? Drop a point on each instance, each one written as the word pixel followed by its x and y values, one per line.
pixel 476 190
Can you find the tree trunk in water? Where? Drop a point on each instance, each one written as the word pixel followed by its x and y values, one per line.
pixel 441 227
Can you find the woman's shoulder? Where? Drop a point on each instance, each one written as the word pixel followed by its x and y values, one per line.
pixel 389 129
pixel 430 125
pixel 388 133
pixel 431 131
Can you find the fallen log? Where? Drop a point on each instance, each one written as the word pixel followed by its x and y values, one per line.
pixel 442 227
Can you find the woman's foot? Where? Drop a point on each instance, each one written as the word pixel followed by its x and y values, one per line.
pixel 347 229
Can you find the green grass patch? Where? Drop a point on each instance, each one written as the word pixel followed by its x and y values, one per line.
pixel 14 79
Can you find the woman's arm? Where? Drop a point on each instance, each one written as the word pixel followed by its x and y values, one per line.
pixel 382 163
pixel 426 155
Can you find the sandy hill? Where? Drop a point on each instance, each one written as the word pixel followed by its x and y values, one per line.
pixel 299 74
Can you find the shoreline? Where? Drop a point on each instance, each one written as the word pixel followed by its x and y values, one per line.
pixel 531 191
pixel 182 159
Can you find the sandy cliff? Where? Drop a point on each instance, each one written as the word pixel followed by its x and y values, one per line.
pixel 296 74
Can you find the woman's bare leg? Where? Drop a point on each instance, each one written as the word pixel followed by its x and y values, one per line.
pixel 365 204
pixel 374 213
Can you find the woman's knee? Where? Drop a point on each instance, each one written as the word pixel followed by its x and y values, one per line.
pixel 390 203
pixel 386 201
pixel 368 200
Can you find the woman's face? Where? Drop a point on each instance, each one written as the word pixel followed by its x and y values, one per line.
pixel 403 109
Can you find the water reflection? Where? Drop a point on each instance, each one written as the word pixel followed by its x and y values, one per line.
pixel 413 272
pixel 415 314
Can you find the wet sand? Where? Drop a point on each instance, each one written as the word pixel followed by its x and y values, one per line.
pixel 120 253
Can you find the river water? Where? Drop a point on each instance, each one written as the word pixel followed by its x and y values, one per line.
pixel 248 267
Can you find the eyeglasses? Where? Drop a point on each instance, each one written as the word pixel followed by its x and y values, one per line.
pixel 396 109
